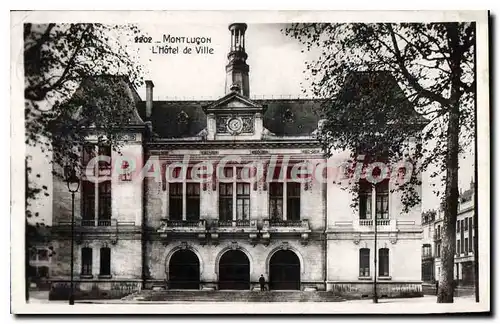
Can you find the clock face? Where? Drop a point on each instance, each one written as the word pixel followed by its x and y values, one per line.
pixel 234 125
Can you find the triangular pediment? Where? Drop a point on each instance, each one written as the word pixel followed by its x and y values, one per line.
pixel 233 102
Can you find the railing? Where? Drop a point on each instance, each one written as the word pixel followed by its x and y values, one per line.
pixel 186 223
pixel 427 256
pixel 285 223
pixel 96 222
pixel 233 223
pixel 369 222
pixel 366 222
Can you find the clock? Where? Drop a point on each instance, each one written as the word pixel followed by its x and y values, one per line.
pixel 234 125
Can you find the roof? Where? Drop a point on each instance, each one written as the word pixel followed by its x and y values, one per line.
pixel 378 94
pixel 283 117
pixel 466 195
pixel 94 91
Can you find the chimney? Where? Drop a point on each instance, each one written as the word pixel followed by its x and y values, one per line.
pixel 149 98
pixel 237 69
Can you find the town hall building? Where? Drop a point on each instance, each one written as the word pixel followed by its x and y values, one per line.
pixel 231 194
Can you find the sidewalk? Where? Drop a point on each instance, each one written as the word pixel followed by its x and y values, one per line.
pixel 41 297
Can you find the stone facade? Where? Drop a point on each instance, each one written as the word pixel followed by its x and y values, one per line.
pixel 464 250
pixel 305 237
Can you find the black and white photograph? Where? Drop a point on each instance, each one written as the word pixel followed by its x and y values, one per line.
pixel 250 162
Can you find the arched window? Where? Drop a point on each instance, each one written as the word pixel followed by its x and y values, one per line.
pixel 383 266
pixel 364 262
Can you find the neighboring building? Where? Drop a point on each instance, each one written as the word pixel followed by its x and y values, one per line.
pixel 429 250
pixel 218 233
pixel 464 250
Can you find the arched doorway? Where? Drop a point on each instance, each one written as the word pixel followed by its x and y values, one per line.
pixel 184 270
pixel 234 271
pixel 284 271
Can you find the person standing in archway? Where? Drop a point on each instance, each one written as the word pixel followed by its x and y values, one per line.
pixel 262 282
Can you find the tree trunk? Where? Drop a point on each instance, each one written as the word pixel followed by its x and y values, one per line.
pixel 446 281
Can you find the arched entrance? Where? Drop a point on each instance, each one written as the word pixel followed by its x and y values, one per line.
pixel 234 271
pixel 184 270
pixel 284 271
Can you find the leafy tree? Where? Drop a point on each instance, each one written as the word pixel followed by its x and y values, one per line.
pixel 77 76
pixel 433 64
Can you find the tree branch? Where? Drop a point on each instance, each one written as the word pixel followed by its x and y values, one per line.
pixel 411 80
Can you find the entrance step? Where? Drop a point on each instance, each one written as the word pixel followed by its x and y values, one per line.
pixel 235 296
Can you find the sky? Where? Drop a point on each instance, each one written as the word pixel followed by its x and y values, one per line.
pixel 275 60
pixel 276 69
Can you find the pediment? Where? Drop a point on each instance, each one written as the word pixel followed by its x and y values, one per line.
pixel 234 102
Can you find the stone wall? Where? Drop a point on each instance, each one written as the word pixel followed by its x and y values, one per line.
pixel 310 256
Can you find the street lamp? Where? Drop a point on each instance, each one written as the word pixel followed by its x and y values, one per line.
pixel 73 183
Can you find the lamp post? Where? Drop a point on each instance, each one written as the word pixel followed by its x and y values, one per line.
pixel 73 183
pixel 375 297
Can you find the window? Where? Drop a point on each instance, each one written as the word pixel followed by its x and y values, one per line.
pixel 43 255
pixel 105 264
pixel 470 236
pixel 466 245
pixel 86 261
pixel 88 153
pixel 383 266
pixel 276 200
pixel 96 195
pixel 381 192
pixel 104 203
pixel 438 250
pixel 175 201
pixel 293 201
pixel 104 151
pixel 225 201
pixel 471 226
pixel 284 195
pixel 458 247
pixel 88 200
pixel 364 262
pixel 439 232
pixel 382 200
pixel 193 201
pixel 365 201
pixel 39 254
pixel 466 224
pixel 42 272
pixel 462 249
pixel 426 250
pixel 242 201
pixel 458 226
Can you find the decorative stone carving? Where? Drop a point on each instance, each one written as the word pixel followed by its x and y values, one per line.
pixel 182 117
pixel 393 238
pixel 215 238
pixel 247 126
pixel 304 238
pixel 288 116
pixel 253 238
pixel 266 238
pixel 234 245
pixel 126 137
pixel 356 238
pixel 284 246
pixel 233 124
pixel 202 238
